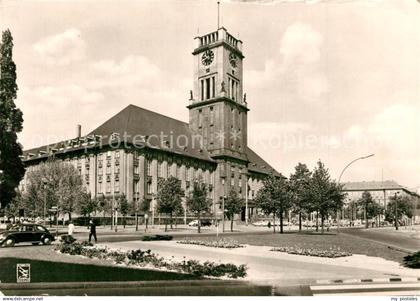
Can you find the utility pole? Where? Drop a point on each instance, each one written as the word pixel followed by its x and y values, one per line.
pixel 223 214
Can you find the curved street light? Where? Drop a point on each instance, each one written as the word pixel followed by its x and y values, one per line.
pixel 339 180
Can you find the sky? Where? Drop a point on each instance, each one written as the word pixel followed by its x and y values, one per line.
pixel 325 80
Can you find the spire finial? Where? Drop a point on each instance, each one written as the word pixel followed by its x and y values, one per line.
pixel 218 15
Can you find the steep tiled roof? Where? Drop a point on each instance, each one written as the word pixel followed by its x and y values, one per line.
pixel 134 123
pixel 160 131
pixel 257 164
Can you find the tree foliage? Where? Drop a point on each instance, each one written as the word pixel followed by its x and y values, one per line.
pixel 299 186
pixel 398 207
pixel 326 196
pixel 275 197
pixel 370 208
pixel 198 201
pixel 169 197
pixel 88 206
pixel 56 183
pixel 11 121
pixel 233 205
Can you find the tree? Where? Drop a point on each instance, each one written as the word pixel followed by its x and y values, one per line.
pixel 145 208
pixel 399 206
pixel 265 198
pixel 18 203
pixel 299 185
pixel 198 202
pixel 88 206
pixel 326 196
pixel 54 183
pixel 11 121
pixel 123 208
pixel 233 205
pixel 370 208
pixel 169 197
pixel 275 197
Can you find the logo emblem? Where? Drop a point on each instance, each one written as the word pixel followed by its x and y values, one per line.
pixel 23 272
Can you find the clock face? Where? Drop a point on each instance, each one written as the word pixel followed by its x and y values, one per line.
pixel 233 59
pixel 207 57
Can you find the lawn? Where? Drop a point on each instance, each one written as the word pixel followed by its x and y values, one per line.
pixel 347 243
pixel 47 271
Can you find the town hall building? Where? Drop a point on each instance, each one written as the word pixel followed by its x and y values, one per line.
pixel 131 151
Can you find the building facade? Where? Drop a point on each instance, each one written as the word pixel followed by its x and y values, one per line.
pixel 382 193
pixel 131 151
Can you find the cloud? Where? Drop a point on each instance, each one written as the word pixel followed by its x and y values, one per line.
pixel 133 70
pixel 62 49
pixel 296 67
pixel 51 112
pixel 393 134
pixel 300 45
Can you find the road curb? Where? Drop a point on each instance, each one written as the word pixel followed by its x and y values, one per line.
pixel 107 284
pixel 370 280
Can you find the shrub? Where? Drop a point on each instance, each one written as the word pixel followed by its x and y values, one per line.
pixel 141 258
pixel 156 237
pixel 413 260
pixel 330 253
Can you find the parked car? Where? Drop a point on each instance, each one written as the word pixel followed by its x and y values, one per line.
pixel 204 223
pixel 32 233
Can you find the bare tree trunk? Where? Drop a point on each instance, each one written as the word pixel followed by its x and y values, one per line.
pixel 281 221
pixel 171 220
pixel 366 219
pixel 316 227
pixel 300 221
pixel 322 223
pixel 274 222
pixel 199 223
pixel 231 224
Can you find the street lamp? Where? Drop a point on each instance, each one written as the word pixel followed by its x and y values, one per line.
pixel 1 179
pixel 396 210
pixel 339 180
pixel 45 182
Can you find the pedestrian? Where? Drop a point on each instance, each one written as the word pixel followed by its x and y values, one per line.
pixel 92 232
pixel 71 228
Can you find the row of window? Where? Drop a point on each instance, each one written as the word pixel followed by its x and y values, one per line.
pixel 108 187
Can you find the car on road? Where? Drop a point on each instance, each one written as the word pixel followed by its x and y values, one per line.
pixel 204 223
pixel 31 233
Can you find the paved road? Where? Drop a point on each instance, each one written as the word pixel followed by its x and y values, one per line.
pixel 390 237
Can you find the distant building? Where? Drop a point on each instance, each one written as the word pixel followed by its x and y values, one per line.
pixel 132 150
pixel 381 192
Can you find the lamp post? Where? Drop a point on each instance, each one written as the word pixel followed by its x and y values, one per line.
pixel 1 180
pixel 45 182
pixel 396 210
pixel 339 180
pixel 223 214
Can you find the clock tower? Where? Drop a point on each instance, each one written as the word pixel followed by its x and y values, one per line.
pixel 218 108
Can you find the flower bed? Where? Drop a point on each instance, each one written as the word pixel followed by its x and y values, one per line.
pixel 330 253
pixel 219 243
pixel 146 259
